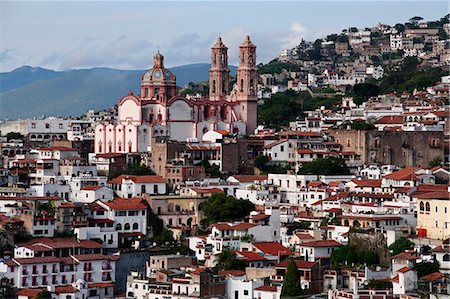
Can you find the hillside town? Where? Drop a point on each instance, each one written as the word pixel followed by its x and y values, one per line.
pixel 321 174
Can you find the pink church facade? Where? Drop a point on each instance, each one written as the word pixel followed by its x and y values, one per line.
pixel 159 111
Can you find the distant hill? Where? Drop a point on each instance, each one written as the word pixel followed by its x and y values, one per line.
pixel 33 91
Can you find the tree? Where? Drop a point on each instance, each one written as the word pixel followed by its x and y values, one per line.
pixel 437 161
pixel 425 268
pixel 213 171
pixel 361 126
pixel 291 285
pixel 400 246
pixel 297 225
pixel 220 207
pixel 415 20
pixel 261 161
pixel 327 165
pixel 363 91
pixel 166 236
pixel 7 289
pixel 44 295
pixel 371 258
pixel 227 260
pixel 379 284
pixel 139 169
pixel 400 27
pixel 280 109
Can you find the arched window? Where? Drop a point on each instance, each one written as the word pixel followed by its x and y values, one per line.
pixel 446 257
pixel 127 226
pixel 427 207
pixel 118 226
pixel 135 226
pixel 214 86
pixel 242 85
pixel 421 206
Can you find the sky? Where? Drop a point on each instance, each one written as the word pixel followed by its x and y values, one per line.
pixel 63 35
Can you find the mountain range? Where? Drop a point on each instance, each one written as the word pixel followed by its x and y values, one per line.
pixel 33 91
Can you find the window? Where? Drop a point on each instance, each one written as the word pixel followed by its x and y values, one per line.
pixel 421 206
pixel 143 189
pixel 436 209
pixel 61 126
pixel 127 226
pixel 246 292
pixel 282 148
pixel 47 126
pixel 427 207
pixel 33 125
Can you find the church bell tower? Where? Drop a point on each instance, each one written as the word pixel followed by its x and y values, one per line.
pixel 219 74
pixel 247 81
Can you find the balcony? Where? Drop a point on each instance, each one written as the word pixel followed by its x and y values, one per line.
pixel 106 268
pixel 34 273
pixel 54 270
pixel 88 269
pixel 106 278
pixel 24 272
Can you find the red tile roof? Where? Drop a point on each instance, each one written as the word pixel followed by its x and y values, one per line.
pixel 244 226
pixel 232 272
pixel 95 257
pixel 125 204
pixel 138 179
pixel 65 290
pixel 110 155
pixel 315 184
pixel 390 120
pixel 405 174
pixel 300 264
pixel 54 243
pixel 38 260
pixel 251 256
pixel 58 148
pixel 404 269
pixel 100 285
pixel 433 195
pixel 222 132
pixel 367 183
pixel 250 178
pixel 322 243
pixel 433 276
pixel 91 188
pixel 29 293
pixel 266 289
pixel 404 256
pixel 272 248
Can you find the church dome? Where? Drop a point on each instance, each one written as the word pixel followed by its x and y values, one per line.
pixel 158 74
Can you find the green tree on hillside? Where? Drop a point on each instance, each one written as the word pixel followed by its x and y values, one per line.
pixel 400 245
pixel 291 285
pixel 227 260
pixel 327 165
pixel 220 207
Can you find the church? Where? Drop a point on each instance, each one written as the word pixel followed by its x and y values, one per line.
pixel 158 111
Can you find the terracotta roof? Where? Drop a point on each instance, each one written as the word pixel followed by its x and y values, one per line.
pixel 301 264
pixel 432 277
pixel 266 289
pixel 395 279
pixel 322 243
pixel 58 148
pixel 207 190
pixel 222 132
pixel 258 217
pixel 405 174
pixel 433 195
pixel 95 257
pixel 138 179
pixel 404 269
pixel 54 243
pixel 65 290
pixel 367 183
pixel 29 293
pixel 38 260
pixel 244 226
pixel 304 236
pixel 270 145
pixel 272 248
pixel 100 285
pixel 315 184
pixel 91 188
pixel 250 178
pixel 390 120
pixel 404 256
pixel 125 204
pixel 232 272
pixel 251 256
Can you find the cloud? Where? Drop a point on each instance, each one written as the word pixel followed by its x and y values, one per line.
pixel 124 52
pixel 5 55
